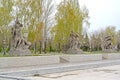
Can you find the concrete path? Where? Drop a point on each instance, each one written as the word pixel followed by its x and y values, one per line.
pixel 19 72
pixel 103 73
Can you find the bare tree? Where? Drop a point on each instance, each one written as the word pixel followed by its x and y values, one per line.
pixel 47 18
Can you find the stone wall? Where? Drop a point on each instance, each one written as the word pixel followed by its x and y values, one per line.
pixel 8 62
pixel 82 57
pixel 111 56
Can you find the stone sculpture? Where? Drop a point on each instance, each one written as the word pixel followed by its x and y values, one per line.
pixel 107 45
pixel 74 44
pixel 19 45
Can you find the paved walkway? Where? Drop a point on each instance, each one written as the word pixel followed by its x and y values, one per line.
pixel 17 72
pixel 104 73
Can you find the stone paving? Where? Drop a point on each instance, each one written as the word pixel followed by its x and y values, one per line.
pixel 104 73
pixel 19 73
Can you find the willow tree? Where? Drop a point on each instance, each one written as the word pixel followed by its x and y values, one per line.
pixel 42 11
pixel 69 17
pixel 35 27
pixel 5 19
pixel 33 13
pixel 5 12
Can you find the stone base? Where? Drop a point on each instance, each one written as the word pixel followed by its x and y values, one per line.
pixel 111 56
pixel 109 50
pixel 20 52
pixel 74 51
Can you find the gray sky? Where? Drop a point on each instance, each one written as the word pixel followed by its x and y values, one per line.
pixel 102 13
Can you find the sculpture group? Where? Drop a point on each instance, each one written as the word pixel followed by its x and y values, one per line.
pixel 74 44
pixel 107 45
pixel 19 45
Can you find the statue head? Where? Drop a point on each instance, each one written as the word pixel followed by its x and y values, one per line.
pixel 18 24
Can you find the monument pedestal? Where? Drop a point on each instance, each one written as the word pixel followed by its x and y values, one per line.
pixel 20 52
pixel 74 51
pixel 109 50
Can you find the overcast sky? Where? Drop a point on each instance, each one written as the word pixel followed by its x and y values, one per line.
pixel 102 13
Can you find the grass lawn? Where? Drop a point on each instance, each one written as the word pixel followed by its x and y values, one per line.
pixel 53 53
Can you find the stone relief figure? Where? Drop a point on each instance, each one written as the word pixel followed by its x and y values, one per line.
pixel 107 45
pixel 74 43
pixel 19 45
pixel 17 34
pixel 71 40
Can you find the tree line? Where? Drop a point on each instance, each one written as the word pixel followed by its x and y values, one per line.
pixel 48 26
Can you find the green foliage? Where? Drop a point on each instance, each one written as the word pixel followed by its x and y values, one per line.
pixel 85 43
pixel 5 11
pixel 110 30
pixel 0 49
pixel 37 19
pixel 69 18
pixel 97 38
pixel 5 20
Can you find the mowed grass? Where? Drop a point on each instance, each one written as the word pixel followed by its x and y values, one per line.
pixel 53 53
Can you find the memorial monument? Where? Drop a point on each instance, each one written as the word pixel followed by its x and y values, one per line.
pixel 19 45
pixel 107 45
pixel 74 44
